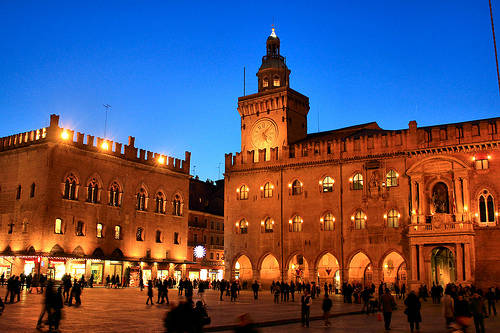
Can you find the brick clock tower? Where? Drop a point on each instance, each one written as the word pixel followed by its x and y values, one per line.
pixel 276 116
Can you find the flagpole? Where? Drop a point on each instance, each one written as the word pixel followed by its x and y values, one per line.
pixel 494 45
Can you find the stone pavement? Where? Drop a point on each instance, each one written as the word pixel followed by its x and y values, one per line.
pixel 124 310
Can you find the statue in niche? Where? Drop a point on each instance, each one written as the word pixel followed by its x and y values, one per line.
pixel 373 185
pixel 440 199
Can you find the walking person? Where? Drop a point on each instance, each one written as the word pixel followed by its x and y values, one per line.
pixel 388 305
pixel 478 310
pixel 412 311
pixel 326 307
pixel 448 306
pixel 255 289
pixel 159 286
pixel 150 292
pixel 141 283
pixel 305 312
pixel 491 298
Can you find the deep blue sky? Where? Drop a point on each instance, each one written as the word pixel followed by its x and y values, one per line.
pixel 172 70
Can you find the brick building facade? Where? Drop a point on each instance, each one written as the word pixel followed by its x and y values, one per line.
pixel 85 206
pixel 358 204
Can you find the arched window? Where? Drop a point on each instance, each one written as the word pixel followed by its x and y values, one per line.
pixel 92 191
pixel 99 230
pixel 328 222
pixel 177 203
pixel 141 199
pixel 276 81
pixel 486 207
pixel 296 223
pixel 114 194
pixel 296 187
pixel 79 228
pixel 118 232
pixel 243 192
pixel 359 219
pixel 327 184
pixel 393 218
pixel 243 226
pixel 70 188
pixel 139 235
pixel 357 181
pixel 158 236
pixel 58 226
pixel 265 82
pixel 268 225
pixel 391 179
pixel 160 203
pixel 268 190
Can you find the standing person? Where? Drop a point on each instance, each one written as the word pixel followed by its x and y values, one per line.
pixel 108 280
pixel 478 310
pixel 255 289
pixel 159 286
pixel 403 291
pixel 55 311
pixel 412 311
pixel 222 286
pixel 306 302
pixel 448 306
pixel 165 292
pixel 150 292
pixel 201 317
pixel 491 298
pixel 326 307
pixel 388 304
pixel 201 291
pixel 234 291
pixel 277 293
pixel 141 283
pixel 462 312
pixel 49 296
pixel 91 281
pixel 292 290
pixel 2 279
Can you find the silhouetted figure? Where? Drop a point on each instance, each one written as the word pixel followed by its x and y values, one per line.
pixel 255 289
pixel 150 292
pixel 412 311
pixel 306 302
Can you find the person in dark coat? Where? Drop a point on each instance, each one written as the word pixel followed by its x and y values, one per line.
pixel 387 303
pixel 412 311
pixel 201 317
pixel 150 292
pixel 255 289
pixel 326 307
pixel 305 309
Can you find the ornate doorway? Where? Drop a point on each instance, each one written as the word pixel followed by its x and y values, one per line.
pixel 443 266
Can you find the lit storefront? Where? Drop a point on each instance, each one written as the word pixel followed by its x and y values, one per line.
pixel 5 267
pixel 97 269
pixel 56 268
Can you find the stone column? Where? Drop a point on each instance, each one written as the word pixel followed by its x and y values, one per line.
pixel 313 275
pixel 255 275
pixel 458 198
pixel 466 193
pixel 421 262
pixel 468 263
pixel 413 263
pixel 459 259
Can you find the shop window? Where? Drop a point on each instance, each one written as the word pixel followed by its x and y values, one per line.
pixel 141 200
pixel 393 218
pixel 32 190
pixel 99 230
pixel 486 207
pixel 58 226
pixel 268 190
pixel 328 222
pixel 243 192
pixel 357 181
pixel 268 225
pixel 158 236
pixel 79 228
pixel 243 226
pixel 296 187
pixel 118 232
pixel 18 192
pixel 176 238
pixel 177 203
pixel 359 220
pixel 92 191
pixel 327 184
pixel 296 224
pixel 160 203
pixel 391 179
pixel 114 194
pixel 139 235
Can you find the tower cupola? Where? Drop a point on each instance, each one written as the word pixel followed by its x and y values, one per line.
pixel 273 72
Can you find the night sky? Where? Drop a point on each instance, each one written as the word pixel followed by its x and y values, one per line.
pixel 173 70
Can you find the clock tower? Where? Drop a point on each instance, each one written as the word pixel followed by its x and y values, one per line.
pixel 276 115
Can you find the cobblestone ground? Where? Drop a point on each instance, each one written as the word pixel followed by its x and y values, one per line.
pixel 125 310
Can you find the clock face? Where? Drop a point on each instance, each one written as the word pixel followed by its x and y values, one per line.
pixel 264 133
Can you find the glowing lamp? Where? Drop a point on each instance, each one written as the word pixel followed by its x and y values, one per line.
pixel 386 266
pixel 466 208
pixel 476 214
pixel 290 185
pixel 237 224
pixel 352 218
pixel 261 188
pixel 399 215
pixel 473 158
pixel 366 217
pixel 104 145
pixel 489 157
pixel 238 190
pixel 272 222
pixel 290 221
pixel 321 220
pixel 350 179
pixel 161 160
pixel 333 219
pixel 261 222
pixel 385 216
pixel 496 213
pixel 397 174
pixel 301 221
pixel 321 182
pixel 413 212
pixel 65 135
pixel 272 187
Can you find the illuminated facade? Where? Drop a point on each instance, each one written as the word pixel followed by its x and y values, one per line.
pixel 85 206
pixel 359 204
pixel 206 230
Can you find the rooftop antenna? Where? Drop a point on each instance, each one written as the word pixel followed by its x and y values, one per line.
pixel 107 106
pixel 218 167
pixel 244 81
pixel 494 45
pixel 194 169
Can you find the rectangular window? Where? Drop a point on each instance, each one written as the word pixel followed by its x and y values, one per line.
pixel 460 132
pixel 11 228
pixel 482 164
pixel 217 226
pixel 329 147
pixel 211 240
pixel 79 228
pixel 99 230
pixel 218 256
pixel 32 192
pixel 58 226
pixel 475 130
pixel 370 143
pixel 158 236
pixel 176 238
pixel 18 193
pixel 211 255
pixel 118 231
pixel 357 144
pixel 212 225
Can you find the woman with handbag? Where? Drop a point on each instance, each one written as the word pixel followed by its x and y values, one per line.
pixel 412 311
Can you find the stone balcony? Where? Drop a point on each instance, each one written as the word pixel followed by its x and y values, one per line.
pixel 422 229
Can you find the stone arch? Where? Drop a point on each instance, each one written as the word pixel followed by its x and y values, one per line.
pixel 56 249
pixel 433 159
pixel 31 250
pixel 97 177
pixel 298 268
pixel 74 173
pixel 243 269
pixel 78 251
pixel 269 268
pixel 360 269
pixel 7 250
pixel 98 253
pixel 443 265
pixel 327 266
pixel 393 266
pixel 117 253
